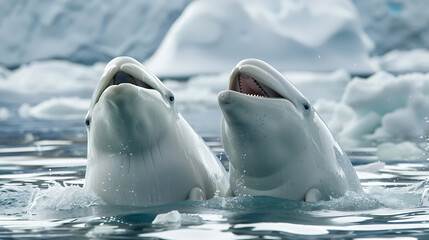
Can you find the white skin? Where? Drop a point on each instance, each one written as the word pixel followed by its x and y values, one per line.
pixel 140 149
pixel 276 142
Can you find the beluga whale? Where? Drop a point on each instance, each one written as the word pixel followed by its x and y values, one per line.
pixel 276 142
pixel 141 151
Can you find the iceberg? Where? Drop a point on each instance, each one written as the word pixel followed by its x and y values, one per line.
pixel 211 36
pixel 321 33
pixel 83 31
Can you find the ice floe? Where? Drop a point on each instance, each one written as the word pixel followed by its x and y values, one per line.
pixel 382 108
pixel 172 217
pixel 176 218
pixel 212 36
pixel 39 81
pixel 400 61
pixel 61 108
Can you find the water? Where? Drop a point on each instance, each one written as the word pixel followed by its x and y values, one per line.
pixel 42 169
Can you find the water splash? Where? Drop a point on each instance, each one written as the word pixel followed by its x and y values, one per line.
pixel 14 200
pixel 399 197
pixel 60 198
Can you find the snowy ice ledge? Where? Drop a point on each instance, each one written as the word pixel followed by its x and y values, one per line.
pixel 381 108
pixel 212 36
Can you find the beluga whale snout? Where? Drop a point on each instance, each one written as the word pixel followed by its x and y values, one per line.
pixel 276 142
pixel 141 151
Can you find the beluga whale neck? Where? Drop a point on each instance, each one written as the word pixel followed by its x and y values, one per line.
pixel 276 142
pixel 140 149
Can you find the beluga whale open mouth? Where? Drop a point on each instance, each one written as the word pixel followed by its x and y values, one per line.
pixel 248 85
pixel 255 78
pixel 126 70
pixel 276 142
pixel 141 151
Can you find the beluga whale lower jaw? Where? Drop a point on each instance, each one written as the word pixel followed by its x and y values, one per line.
pixel 140 149
pixel 276 142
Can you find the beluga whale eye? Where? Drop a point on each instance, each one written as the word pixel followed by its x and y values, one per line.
pixel 87 122
pixel 169 96
pixel 306 106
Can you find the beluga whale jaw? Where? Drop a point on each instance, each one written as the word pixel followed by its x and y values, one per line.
pixel 276 142
pixel 140 149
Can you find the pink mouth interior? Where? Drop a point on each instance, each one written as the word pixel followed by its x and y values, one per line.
pixel 123 77
pixel 248 85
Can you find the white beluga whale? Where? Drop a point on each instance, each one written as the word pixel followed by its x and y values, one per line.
pixel 276 142
pixel 140 149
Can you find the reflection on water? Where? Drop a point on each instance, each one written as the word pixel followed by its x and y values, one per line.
pixel 41 195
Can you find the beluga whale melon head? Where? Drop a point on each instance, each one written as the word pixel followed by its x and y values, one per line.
pixel 276 142
pixel 140 149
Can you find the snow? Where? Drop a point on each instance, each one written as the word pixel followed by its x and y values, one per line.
pixel 212 36
pixel 395 24
pixel 83 31
pixel 381 108
pixel 399 61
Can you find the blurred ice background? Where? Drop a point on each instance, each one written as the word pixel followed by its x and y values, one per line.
pixel 364 64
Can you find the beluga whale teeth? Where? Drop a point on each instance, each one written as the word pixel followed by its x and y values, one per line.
pixel 276 142
pixel 141 151
pixel 250 86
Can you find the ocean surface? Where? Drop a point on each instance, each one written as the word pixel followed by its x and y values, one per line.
pixel 42 170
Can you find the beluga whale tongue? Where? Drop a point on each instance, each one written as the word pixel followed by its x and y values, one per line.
pixel 276 142
pixel 140 149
